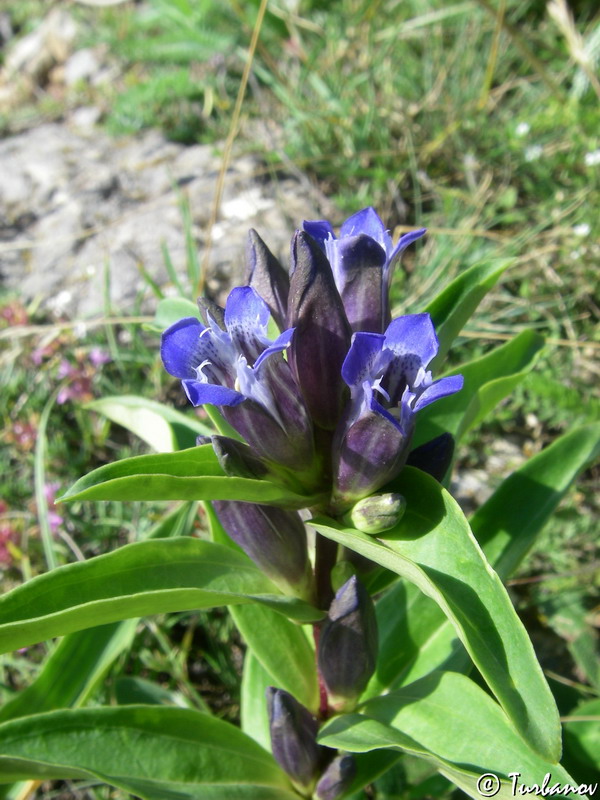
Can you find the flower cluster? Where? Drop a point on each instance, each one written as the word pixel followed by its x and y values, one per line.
pixel 332 396
pixel 308 366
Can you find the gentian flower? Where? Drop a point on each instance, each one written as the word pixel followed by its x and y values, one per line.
pixel 323 334
pixel 234 366
pixel 294 738
pixel 362 260
pixel 348 644
pixel 275 539
pixel 389 383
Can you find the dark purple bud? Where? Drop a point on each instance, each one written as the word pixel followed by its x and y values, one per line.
pixel 368 454
pixel 348 645
pixel 376 513
pixel 360 261
pixel 237 459
pixel 337 778
pixel 434 457
pixel 275 539
pixel 201 439
pixel 322 335
pixel 293 737
pixel 266 275
pixel 210 308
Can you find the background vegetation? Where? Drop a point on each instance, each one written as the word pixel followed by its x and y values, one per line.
pixel 477 119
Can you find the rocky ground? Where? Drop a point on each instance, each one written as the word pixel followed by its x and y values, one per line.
pixel 75 203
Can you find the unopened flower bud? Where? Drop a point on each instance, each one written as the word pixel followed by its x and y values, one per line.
pixel 322 332
pixel 265 274
pixel 293 737
pixel 348 645
pixel 433 457
pixel 377 513
pixel 336 779
pixel 275 539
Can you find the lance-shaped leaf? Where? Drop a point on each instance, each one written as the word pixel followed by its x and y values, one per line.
pixel 253 709
pixel 448 720
pixel 153 752
pixel 487 381
pixel 149 577
pixel 163 428
pixel 457 302
pixel 506 527
pixel 193 474
pixel 73 670
pixel 322 333
pixel 432 547
pixel 172 309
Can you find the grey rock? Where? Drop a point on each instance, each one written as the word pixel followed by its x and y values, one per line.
pixel 79 210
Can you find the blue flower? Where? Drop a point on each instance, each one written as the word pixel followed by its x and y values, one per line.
pixel 389 383
pixel 235 366
pixel 362 259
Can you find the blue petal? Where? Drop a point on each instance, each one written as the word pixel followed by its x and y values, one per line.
pixel 413 334
pixel 199 393
pixel 246 320
pixel 182 349
pixel 405 240
pixel 319 229
pixel 362 359
pixel 438 389
pixel 281 342
pixel 368 222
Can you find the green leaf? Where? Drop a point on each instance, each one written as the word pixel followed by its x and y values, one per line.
pixel 72 671
pixel 457 302
pixel 151 577
pixel 507 524
pixel 582 733
pixel 253 706
pixel 172 309
pixel 448 720
pixel 432 547
pixel 132 690
pixel 506 527
pixel 163 428
pixel 153 752
pixel 193 474
pixel 488 380
pixel 283 650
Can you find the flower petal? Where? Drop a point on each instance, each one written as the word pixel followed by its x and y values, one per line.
pixel 320 230
pixel 199 393
pixel 182 348
pixel 362 359
pixel 358 265
pixel 413 334
pixel 367 221
pixel 406 240
pixel 246 320
pixel 281 342
pixel 441 388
